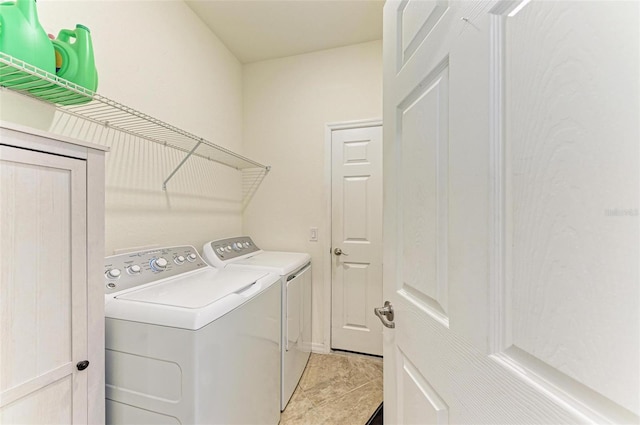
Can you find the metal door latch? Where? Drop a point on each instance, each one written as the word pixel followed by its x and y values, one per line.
pixel 385 314
pixel 338 251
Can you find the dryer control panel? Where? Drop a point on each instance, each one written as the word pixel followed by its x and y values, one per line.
pixel 228 249
pixel 124 271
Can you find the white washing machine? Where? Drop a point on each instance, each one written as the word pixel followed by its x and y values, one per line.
pixel 190 344
pixel 294 269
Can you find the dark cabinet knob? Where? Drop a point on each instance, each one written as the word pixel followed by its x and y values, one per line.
pixel 83 365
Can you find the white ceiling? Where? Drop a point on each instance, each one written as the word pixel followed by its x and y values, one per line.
pixel 256 30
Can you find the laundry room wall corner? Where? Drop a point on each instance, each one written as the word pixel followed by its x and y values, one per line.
pixel 287 104
pixel 158 58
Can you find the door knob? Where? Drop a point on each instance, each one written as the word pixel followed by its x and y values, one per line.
pixel 83 365
pixel 338 251
pixel 385 314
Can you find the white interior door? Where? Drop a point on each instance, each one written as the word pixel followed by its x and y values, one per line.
pixel 43 288
pixel 511 181
pixel 356 226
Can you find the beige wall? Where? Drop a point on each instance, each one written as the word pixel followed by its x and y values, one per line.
pixel 159 58
pixel 287 103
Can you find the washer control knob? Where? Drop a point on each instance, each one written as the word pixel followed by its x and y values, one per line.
pixel 192 257
pixel 237 246
pixel 159 264
pixel 134 269
pixel 246 244
pixel 228 248
pixel 113 273
pixel 179 260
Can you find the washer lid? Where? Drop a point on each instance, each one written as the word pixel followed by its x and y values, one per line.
pixel 195 291
pixel 281 263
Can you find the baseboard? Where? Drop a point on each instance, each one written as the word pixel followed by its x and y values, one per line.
pixel 320 348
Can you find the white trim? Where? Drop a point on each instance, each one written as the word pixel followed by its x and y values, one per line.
pixel 578 399
pixel 326 238
pixel 319 348
pixel 49 135
pixel 326 235
pixel 95 289
pixel 373 122
pixel 497 284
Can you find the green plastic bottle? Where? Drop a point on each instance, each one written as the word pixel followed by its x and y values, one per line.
pixel 78 64
pixel 22 37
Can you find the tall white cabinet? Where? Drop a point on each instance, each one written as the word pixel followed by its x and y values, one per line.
pixel 51 297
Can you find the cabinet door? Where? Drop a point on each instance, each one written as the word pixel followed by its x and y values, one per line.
pixel 43 288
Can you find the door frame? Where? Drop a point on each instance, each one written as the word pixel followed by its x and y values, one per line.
pixel 326 235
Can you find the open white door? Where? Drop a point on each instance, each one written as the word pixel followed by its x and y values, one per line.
pixel 511 192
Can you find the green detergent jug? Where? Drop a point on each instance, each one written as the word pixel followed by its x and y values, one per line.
pixel 22 37
pixel 78 64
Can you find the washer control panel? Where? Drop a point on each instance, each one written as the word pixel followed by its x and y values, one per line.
pixel 228 249
pixel 124 271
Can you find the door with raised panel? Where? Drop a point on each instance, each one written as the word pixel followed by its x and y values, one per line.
pixel 356 238
pixel 511 181
pixel 43 288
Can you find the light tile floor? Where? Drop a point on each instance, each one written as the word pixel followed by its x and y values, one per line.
pixel 336 389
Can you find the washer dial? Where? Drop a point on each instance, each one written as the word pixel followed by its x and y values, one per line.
pixel 158 264
pixel 134 269
pixel 113 273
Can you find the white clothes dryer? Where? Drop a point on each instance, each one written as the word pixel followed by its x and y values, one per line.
pixel 190 344
pixel 294 269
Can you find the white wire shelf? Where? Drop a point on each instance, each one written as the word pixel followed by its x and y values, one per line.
pixel 84 104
